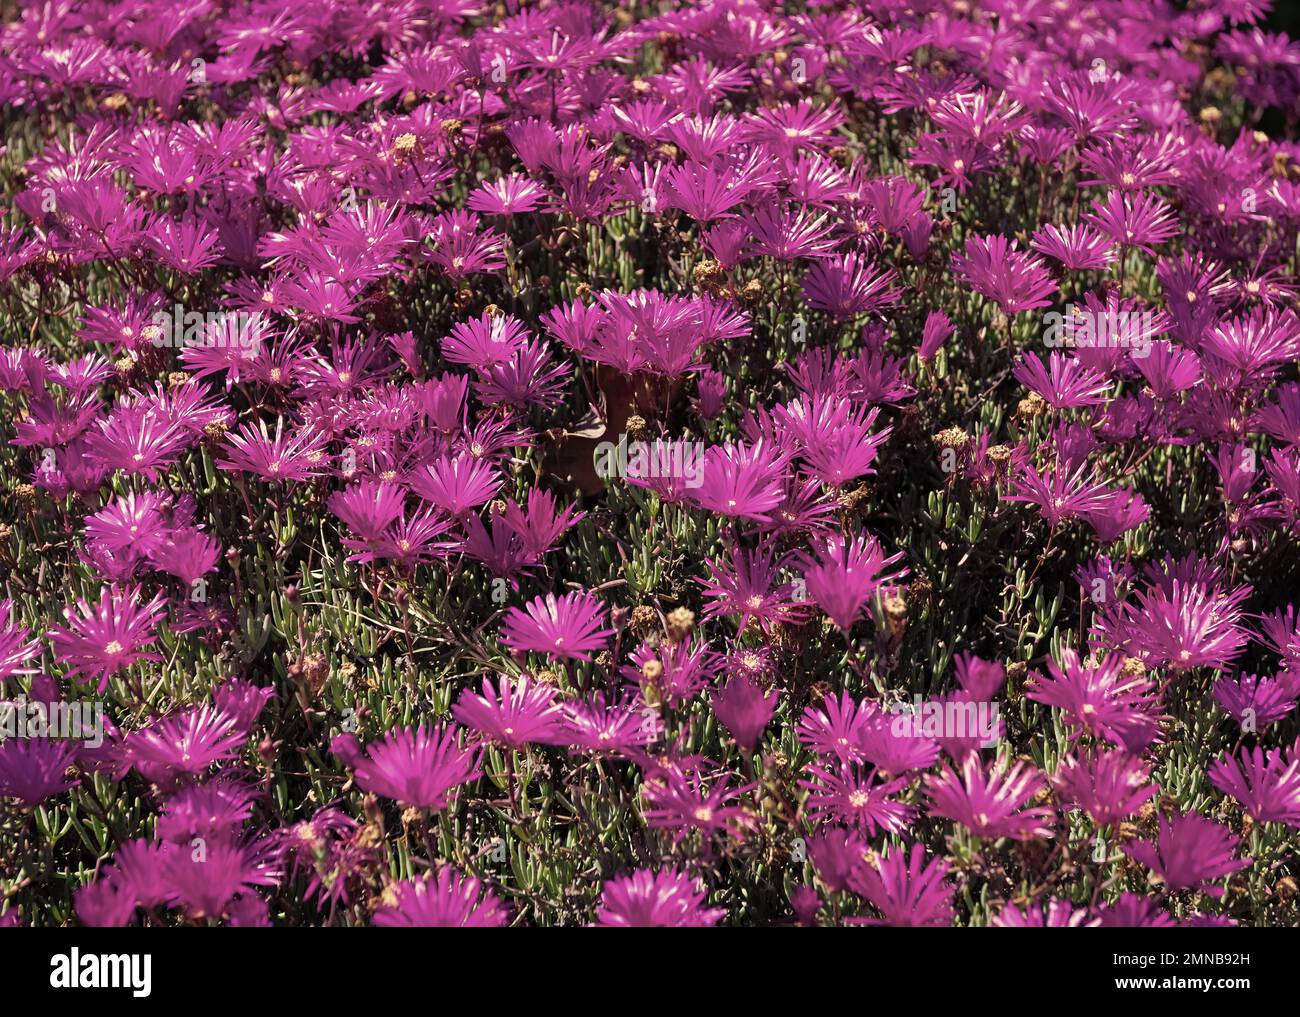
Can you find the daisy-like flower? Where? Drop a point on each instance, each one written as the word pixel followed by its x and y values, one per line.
pixel 1061 493
pixel 130 522
pixel 648 899
pixel 567 626
pixel 683 802
pixel 672 673
pixel 852 285
pixel 445 900
pixel 507 196
pixel 1184 625
pixel 785 129
pixel 185 744
pixel 1266 785
pixel 845 574
pixel 484 342
pixel 989 800
pixel 102 639
pixel 740 481
pixel 457 484
pixel 786 233
pixel 218 881
pixel 33 769
pixel 1109 699
pixel 418 767
pixel 996 268
pixel 1255 701
pixel 746 585
pixel 1142 221
pixel 292 457
pixel 1131 911
pixel 512 714
pixel 137 440
pixel 459 248
pixel 213 811
pixel 848 794
pixel 744 710
pixel 1108 786
pixel 1057 914
pixel 1063 382
pixel 838 726
pixel 615 727
pixel 838 444
pixel 1075 247
pixel 906 890
pixel 329 849
pixel 368 508
pixel 1189 853
pixel 16 649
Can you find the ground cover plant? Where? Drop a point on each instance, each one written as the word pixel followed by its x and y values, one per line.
pixel 668 463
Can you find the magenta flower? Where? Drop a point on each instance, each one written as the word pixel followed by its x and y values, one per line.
pixel 997 269
pixel 102 639
pixel 185 744
pixel 567 626
pixel 292 457
pixel 1265 785
pixel 1189 853
pixel 645 899
pixel 1057 914
pixel 618 727
pixel 1063 383
pixel 850 795
pixel 1061 493
pixel 447 899
pixel 1101 699
pixel 989 800
pixel 33 769
pixel 16 649
pixel 904 889
pixel 418 767
pixel 744 709
pixel 456 485
pixel 937 330
pixel 1108 786
pixel 740 482
pixel 683 802
pixel 512 714
pixel 846 574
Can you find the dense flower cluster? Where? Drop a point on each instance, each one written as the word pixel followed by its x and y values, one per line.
pixel 688 463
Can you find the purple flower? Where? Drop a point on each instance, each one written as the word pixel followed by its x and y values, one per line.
pixel 905 890
pixel 447 899
pixel 512 714
pixel 667 899
pixel 999 270
pixel 418 767
pixel 1189 853
pixel 101 640
pixel 567 626
pixel 1266 786
pixel 33 769
pixel 989 800
pixel 744 709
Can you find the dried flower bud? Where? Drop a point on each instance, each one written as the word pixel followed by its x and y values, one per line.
pixel 680 623
pixel 1033 405
pixel 953 438
pixel 645 621
pixel 1133 667
pixel 637 429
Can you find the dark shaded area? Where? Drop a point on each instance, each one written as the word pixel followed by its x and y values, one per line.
pixel 1285 18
